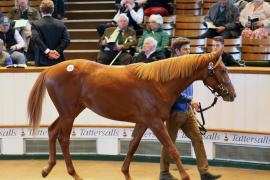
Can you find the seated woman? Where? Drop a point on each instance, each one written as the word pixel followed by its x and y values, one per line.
pixel 255 18
pixel 161 7
pixel 134 13
pixel 149 52
pixel 157 33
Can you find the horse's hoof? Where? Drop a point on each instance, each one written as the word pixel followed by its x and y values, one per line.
pixel 44 173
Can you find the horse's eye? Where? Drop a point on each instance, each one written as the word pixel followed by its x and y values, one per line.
pixel 224 71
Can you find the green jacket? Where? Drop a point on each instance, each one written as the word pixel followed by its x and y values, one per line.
pixel 160 36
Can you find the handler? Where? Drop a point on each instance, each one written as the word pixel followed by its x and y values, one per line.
pixel 183 116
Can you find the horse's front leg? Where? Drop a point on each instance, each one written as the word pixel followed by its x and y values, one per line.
pixel 159 129
pixel 53 131
pixel 133 145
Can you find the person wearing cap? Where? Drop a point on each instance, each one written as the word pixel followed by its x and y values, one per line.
pixel 13 41
pixel 149 52
pixel 183 117
pixel 50 36
pixel 24 11
pixel 157 33
pixel 115 43
pixel 5 58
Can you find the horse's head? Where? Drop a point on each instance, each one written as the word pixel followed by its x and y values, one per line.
pixel 217 78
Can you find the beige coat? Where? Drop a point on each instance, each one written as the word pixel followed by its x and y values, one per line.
pixel 263 12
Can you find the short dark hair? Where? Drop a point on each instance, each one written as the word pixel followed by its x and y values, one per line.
pixel 46 6
pixel 219 39
pixel 179 42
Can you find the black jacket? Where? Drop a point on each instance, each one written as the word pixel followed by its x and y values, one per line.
pixel 141 57
pixel 50 33
pixel 228 60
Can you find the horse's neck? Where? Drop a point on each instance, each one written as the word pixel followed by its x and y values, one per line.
pixel 177 85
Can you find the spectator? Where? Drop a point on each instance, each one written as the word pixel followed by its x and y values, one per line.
pixel 149 52
pixel 5 58
pixel 161 7
pixel 50 36
pixel 116 41
pixel 23 11
pixel 183 116
pixel 255 18
pixel 228 60
pixel 13 42
pixel 221 20
pixel 157 33
pixel 133 12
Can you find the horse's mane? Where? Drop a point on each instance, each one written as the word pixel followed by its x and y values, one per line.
pixel 168 69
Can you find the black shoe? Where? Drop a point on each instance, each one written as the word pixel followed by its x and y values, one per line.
pixel 166 175
pixel 209 176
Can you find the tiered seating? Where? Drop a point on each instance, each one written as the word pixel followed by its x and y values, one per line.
pixel 189 26
pixel 256 52
pixel 188 7
pixel 34 3
pixel 83 17
pixel 6 6
pixel 207 4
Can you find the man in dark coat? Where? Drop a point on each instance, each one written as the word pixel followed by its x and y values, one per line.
pixel 50 36
pixel 222 20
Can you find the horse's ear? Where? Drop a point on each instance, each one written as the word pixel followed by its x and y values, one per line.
pixel 215 55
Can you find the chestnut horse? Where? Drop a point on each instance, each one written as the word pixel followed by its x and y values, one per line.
pixel 139 93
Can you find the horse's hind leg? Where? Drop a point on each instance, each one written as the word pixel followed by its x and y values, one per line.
pixel 53 131
pixel 64 140
pixel 133 145
pixel 162 134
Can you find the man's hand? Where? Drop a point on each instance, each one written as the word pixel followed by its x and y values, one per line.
pixel 13 48
pixel 220 29
pixel 105 41
pixel 128 6
pixel 118 47
pixel 195 106
pixel 53 54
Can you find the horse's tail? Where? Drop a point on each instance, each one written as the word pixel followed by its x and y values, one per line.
pixel 35 99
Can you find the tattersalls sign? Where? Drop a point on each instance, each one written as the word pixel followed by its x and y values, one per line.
pixel 91 132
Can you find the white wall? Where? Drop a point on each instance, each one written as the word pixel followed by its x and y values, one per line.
pixel 249 112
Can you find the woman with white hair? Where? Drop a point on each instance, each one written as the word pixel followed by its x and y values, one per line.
pixel 149 53
pixel 156 32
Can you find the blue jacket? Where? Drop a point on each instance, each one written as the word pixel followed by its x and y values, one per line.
pixel 182 102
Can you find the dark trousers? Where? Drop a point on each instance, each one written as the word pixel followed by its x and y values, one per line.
pixel 210 33
pixel 106 57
